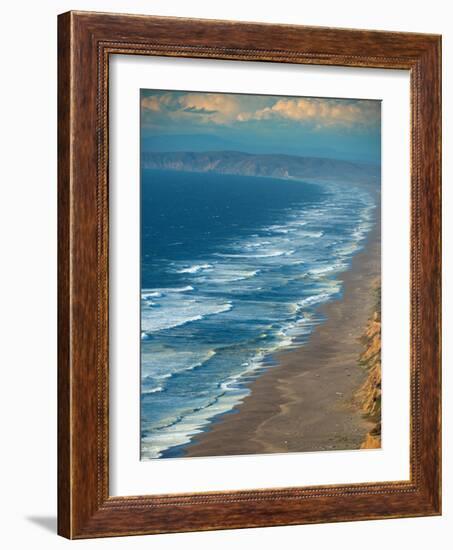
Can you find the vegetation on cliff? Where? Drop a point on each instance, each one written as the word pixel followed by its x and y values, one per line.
pixel 369 395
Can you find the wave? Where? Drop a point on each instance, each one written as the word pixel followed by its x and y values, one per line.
pixel 310 301
pixel 194 268
pixel 258 244
pixel 146 295
pixel 313 234
pixel 165 364
pixel 146 391
pixel 180 315
pixel 181 429
pixel 280 230
pixel 330 268
pixel 222 278
pixel 157 292
pixel 273 254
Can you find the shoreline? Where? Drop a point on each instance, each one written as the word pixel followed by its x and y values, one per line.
pixel 307 401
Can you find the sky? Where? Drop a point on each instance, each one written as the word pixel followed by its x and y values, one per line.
pixel 203 121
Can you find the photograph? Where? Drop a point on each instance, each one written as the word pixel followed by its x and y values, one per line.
pixel 260 274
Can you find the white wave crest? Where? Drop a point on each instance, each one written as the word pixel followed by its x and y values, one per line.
pixel 152 390
pixel 181 314
pixel 195 268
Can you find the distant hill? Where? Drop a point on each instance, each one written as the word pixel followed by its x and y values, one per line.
pixel 277 166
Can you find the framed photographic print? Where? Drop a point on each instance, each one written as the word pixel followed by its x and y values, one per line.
pixel 249 275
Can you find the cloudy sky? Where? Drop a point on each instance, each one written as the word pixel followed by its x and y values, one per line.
pixel 198 121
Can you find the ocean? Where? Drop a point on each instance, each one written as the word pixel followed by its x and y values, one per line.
pixel 233 269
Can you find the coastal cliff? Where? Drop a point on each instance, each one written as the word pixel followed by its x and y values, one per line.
pixel 277 166
pixel 369 395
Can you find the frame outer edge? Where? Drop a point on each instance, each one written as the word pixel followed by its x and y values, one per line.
pixel 427 271
pixel 435 174
pixel 438 168
pixel 79 292
pixel 64 527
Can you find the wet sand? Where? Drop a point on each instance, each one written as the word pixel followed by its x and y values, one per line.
pixel 306 402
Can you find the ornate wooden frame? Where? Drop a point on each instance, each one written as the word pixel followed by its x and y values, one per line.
pixel 85 41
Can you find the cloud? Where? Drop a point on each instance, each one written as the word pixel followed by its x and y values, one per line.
pixel 223 107
pixel 151 103
pixel 199 111
pixel 207 107
pixel 319 112
pixel 229 109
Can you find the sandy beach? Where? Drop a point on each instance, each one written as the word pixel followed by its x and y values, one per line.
pixel 306 402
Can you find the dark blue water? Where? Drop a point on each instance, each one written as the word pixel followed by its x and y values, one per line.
pixel 233 269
